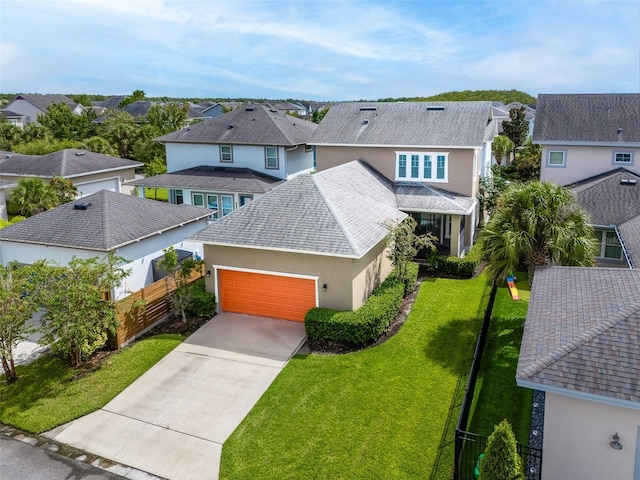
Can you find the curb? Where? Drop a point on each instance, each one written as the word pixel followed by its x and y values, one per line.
pixel 77 455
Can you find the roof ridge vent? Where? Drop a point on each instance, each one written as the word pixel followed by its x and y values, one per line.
pixel 80 154
pixel 249 109
pixel 435 108
pixel 368 109
pixel 628 181
pixel 81 206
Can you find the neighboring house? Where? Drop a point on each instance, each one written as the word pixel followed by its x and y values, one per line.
pixel 135 229
pixel 31 106
pixel 16 119
pixel 501 112
pixel 226 161
pixel 139 109
pixel 580 347
pixel 432 152
pixel 612 200
pixel 583 135
pixel 316 240
pixel 288 108
pixel 89 171
pixel 4 186
pixel 213 110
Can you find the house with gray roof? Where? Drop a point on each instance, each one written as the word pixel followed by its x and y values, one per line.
pixel 316 240
pixel 31 106
pixel 612 200
pixel 581 347
pixel 104 222
pixel 583 135
pixel 89 171
pixel 438 149
pixel 226 161
pixel 14 118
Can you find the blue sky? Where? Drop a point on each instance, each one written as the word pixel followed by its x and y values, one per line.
pixel 320 50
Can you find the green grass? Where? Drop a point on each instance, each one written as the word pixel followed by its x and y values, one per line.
pixel 377 413
pixel 497 396
pixel 157 194
pixel 46 395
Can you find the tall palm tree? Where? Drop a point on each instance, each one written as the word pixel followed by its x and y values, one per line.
pixel 536 224
pixel 501 147
pixel 33 196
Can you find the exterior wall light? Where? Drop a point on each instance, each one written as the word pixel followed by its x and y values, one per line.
pixel 208 273
pixel 324 287
pixel 615 444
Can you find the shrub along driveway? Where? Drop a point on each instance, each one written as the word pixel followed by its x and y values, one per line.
pixel 377 413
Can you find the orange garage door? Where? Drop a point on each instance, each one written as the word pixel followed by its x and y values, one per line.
pixel 266 295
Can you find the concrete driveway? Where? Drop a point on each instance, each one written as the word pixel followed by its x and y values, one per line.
pixel 173 421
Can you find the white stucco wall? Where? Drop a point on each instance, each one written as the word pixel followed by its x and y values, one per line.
pixel 576 440
pixel 139 254
pixel 584 162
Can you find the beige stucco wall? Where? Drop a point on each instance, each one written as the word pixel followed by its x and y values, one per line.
pixel 584 162
pixel 349 281
pixel 576 440
pixel 461 177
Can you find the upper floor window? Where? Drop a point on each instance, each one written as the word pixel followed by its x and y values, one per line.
pixel 226 153
pixel 556 158
pixel 431 167
pixel 271 157
pixel 623 158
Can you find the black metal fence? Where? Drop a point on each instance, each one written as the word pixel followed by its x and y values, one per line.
pixel 469 446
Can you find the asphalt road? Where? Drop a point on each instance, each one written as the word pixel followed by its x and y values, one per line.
pixel 20 461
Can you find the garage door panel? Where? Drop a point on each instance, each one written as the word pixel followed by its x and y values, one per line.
pixel 266 295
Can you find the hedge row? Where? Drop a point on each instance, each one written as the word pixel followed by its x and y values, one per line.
pixel 465 267
pixel 361 326
pixel 203 303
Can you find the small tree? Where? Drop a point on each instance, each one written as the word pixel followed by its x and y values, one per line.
pixel 33 196
pixel 501 460
pixel 80 312
pixel 179 274
pixel 18 303
pixel 404 244
pixel 491 189
pixel 517 127
pixel 64 189
pixel 501 147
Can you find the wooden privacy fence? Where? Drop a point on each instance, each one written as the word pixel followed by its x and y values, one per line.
pixel 146 307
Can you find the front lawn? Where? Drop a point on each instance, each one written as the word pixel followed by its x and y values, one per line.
pixel 497 396
pixel 377 413
pixel 47 395
pixel 157 194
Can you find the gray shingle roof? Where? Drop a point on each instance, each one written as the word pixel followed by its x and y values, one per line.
pixel 583 331
pixel 608 201
pixel 111 221
pixel 66 163
pixel 250 125
pixel 44 101
pixel 586 118
pixel 222 179
pixel 455 124
pixel 423 197
pixel 340 211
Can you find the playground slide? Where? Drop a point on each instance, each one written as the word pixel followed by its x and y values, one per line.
pixel 511 283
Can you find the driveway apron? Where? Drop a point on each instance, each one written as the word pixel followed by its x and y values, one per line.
pixel 173 420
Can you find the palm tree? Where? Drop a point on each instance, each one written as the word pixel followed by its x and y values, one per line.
pixel 536 224
pixel 33 196
pixel 501 146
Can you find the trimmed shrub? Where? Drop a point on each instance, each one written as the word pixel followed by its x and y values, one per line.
pixel 501 460
pixel 412 277
pixel 457 267
pixel 362 326
pixel 203 303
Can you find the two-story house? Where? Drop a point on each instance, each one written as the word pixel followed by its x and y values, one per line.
pixel 31 106
pixel 590 142
pixel 224 162
pixel 583 135
pixel 432 152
